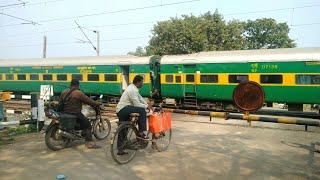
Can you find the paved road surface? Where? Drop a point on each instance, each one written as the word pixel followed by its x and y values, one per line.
pixel 199 150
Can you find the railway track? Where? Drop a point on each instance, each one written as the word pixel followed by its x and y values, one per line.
pixel 109 110
pixel 18 105
pixel 25 106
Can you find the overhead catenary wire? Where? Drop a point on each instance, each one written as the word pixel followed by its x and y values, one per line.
pixel 74 28
pixel 25 4
pixel 116 25
pixel 15 4
pixel 273 10
pixel 249 12
pixel 73 42
pixel 107 12
pixel 160 5
pixel 86 36
pixel 15 17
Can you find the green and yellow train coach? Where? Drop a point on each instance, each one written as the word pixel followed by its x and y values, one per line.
pixel 205 79
pixel 107 75
pixel 289 76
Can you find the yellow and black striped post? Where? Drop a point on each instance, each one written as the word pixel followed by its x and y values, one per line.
pixel 249 118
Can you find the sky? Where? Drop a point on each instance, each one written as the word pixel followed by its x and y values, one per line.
pixel 126 24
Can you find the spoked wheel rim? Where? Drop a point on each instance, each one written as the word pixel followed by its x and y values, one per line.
pixel 102 128
pixel 130 144
pixel 162 142
pixel 54 140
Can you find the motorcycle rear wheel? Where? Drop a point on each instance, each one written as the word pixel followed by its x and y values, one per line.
pixel 54 140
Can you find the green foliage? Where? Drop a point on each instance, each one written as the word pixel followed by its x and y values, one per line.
pixel 14 131
pixel 141 52
pixel 267 33
pixel 210 32
pixel 7 135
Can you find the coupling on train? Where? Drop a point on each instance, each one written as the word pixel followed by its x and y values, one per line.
pixel 200 80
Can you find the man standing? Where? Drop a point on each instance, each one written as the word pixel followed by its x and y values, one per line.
pixel 73 99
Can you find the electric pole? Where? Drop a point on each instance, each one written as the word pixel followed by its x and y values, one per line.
pixel 98 42
pixel 44 51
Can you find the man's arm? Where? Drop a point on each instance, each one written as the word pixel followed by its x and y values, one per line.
pixel 142 100
pixel 86 100
pixel 134 97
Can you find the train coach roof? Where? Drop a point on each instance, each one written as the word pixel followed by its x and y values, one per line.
pixel 74 61
pixel 243 56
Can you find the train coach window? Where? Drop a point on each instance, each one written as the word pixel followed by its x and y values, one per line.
pixel 61 77
pixel 0 76
pixel 178 79
pixel 9 76
pixel 169 78
pixel 110 77
pixel 34 77
pixel 93 77
pixel 21 77
pixel 238 78
pixel 47 77
pixel 307 79
pixel 209 78
pixel 190 78
pixel 271 79
pixel 77 77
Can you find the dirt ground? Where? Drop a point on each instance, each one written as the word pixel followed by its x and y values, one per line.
pixel 199 150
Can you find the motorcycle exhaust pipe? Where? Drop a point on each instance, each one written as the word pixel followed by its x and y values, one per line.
pixel 67 135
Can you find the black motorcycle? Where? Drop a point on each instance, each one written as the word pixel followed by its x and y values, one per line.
pixel 63 129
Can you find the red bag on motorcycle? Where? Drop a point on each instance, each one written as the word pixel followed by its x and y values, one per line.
pixel 159 122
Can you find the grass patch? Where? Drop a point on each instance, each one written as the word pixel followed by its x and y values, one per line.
pixel 7 135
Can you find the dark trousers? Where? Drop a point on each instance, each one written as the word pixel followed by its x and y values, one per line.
pixel 85 126
pixel 124 115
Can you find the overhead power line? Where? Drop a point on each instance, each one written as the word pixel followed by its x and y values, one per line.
pixel 74 28
pixel 117 11
pixel 16 4
pixel 307 24
pixel 116 25
pixel 15 17
pixel 273 10
pixel 107 12
pixel 24 4
pixel 85 35
pixel 159 5
pixel 73 42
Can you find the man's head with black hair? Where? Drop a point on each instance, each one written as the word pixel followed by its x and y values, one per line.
pixel 138 81
pixel 75 83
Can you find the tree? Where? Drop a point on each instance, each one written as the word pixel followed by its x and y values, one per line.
pixel 267 33
pixel 214 30
pixel 234 39
pixel 138 52
pixel 177 36
pixel 210 32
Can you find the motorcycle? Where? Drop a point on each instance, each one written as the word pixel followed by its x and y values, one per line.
pixel 64 129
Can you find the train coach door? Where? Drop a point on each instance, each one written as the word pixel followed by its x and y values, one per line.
pixel 125 77
pixel 189 71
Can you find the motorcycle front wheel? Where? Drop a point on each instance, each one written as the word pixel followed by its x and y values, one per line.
pixel 101 128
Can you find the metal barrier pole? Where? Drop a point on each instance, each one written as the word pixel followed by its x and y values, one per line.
pixel 34 106
pixel 1 111
pixel 41 115
pixel 284 120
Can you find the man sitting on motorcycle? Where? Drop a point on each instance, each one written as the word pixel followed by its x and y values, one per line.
pixel 73 105
pixel 132 102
